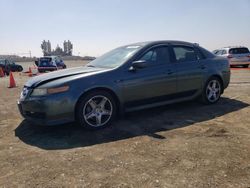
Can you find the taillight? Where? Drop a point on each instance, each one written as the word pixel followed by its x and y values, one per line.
pixel 248 56
pixel 229 56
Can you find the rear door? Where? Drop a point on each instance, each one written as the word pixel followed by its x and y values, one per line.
pixel 152 83
pixel 189 70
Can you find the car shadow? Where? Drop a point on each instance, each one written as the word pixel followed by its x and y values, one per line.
pixel 140 123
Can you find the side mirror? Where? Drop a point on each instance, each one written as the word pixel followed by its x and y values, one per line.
pixel 138 65
pixel 36 62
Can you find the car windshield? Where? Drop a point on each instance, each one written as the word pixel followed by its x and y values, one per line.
pixel 115 57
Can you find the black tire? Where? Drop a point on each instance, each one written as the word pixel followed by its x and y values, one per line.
pixel 85 108
pixel 211 96
pixel 245 66
pixel 7 71
pixel 20 69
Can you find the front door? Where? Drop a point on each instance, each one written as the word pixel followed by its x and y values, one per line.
pixel 152 83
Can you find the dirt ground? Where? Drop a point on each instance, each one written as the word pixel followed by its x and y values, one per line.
pixel 181 145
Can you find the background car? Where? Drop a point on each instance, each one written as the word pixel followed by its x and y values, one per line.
pixel 128 78
pixel 237 56
pixel 14 67
pixel 4 64
pixel 8 65
pixel 50 63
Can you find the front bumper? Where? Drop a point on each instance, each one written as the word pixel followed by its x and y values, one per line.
pixel 47 111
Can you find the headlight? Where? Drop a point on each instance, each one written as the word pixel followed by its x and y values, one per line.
pixel 45 91
pixel 57 89
pixel 39 92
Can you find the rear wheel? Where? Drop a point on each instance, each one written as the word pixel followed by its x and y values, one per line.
pixel 96 110
pixel 20 69
pixel 212 91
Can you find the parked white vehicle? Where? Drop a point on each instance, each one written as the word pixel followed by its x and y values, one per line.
pixel 237 55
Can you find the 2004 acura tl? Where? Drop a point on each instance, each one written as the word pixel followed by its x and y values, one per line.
pixel 128 78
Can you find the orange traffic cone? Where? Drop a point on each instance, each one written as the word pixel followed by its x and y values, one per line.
pixel 12 81
pixel 1 72
pixel 30 72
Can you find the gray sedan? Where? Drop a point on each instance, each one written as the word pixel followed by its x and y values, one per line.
pixel 128 78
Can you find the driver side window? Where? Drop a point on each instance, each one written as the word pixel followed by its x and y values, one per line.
pixel 157 56
pixel 148 56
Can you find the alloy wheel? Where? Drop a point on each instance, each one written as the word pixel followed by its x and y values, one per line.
pixel 213 91
pixel 97 111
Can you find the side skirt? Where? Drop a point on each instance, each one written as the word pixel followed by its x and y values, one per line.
pixel 160 101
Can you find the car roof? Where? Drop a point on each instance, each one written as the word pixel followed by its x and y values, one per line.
pixel 160 42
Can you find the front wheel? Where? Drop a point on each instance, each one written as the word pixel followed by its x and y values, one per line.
pixel 212 91
pixel 96 110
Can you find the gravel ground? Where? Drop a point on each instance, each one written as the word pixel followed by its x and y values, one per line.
pixel 180 145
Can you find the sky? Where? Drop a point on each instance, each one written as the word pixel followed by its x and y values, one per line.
pixel 97 26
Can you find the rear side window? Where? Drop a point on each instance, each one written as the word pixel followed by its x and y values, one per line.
pixel 57 60
pixel 238 51
pixel 184 53
pixel 156 56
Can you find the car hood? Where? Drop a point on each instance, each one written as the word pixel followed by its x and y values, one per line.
pixel 47 77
